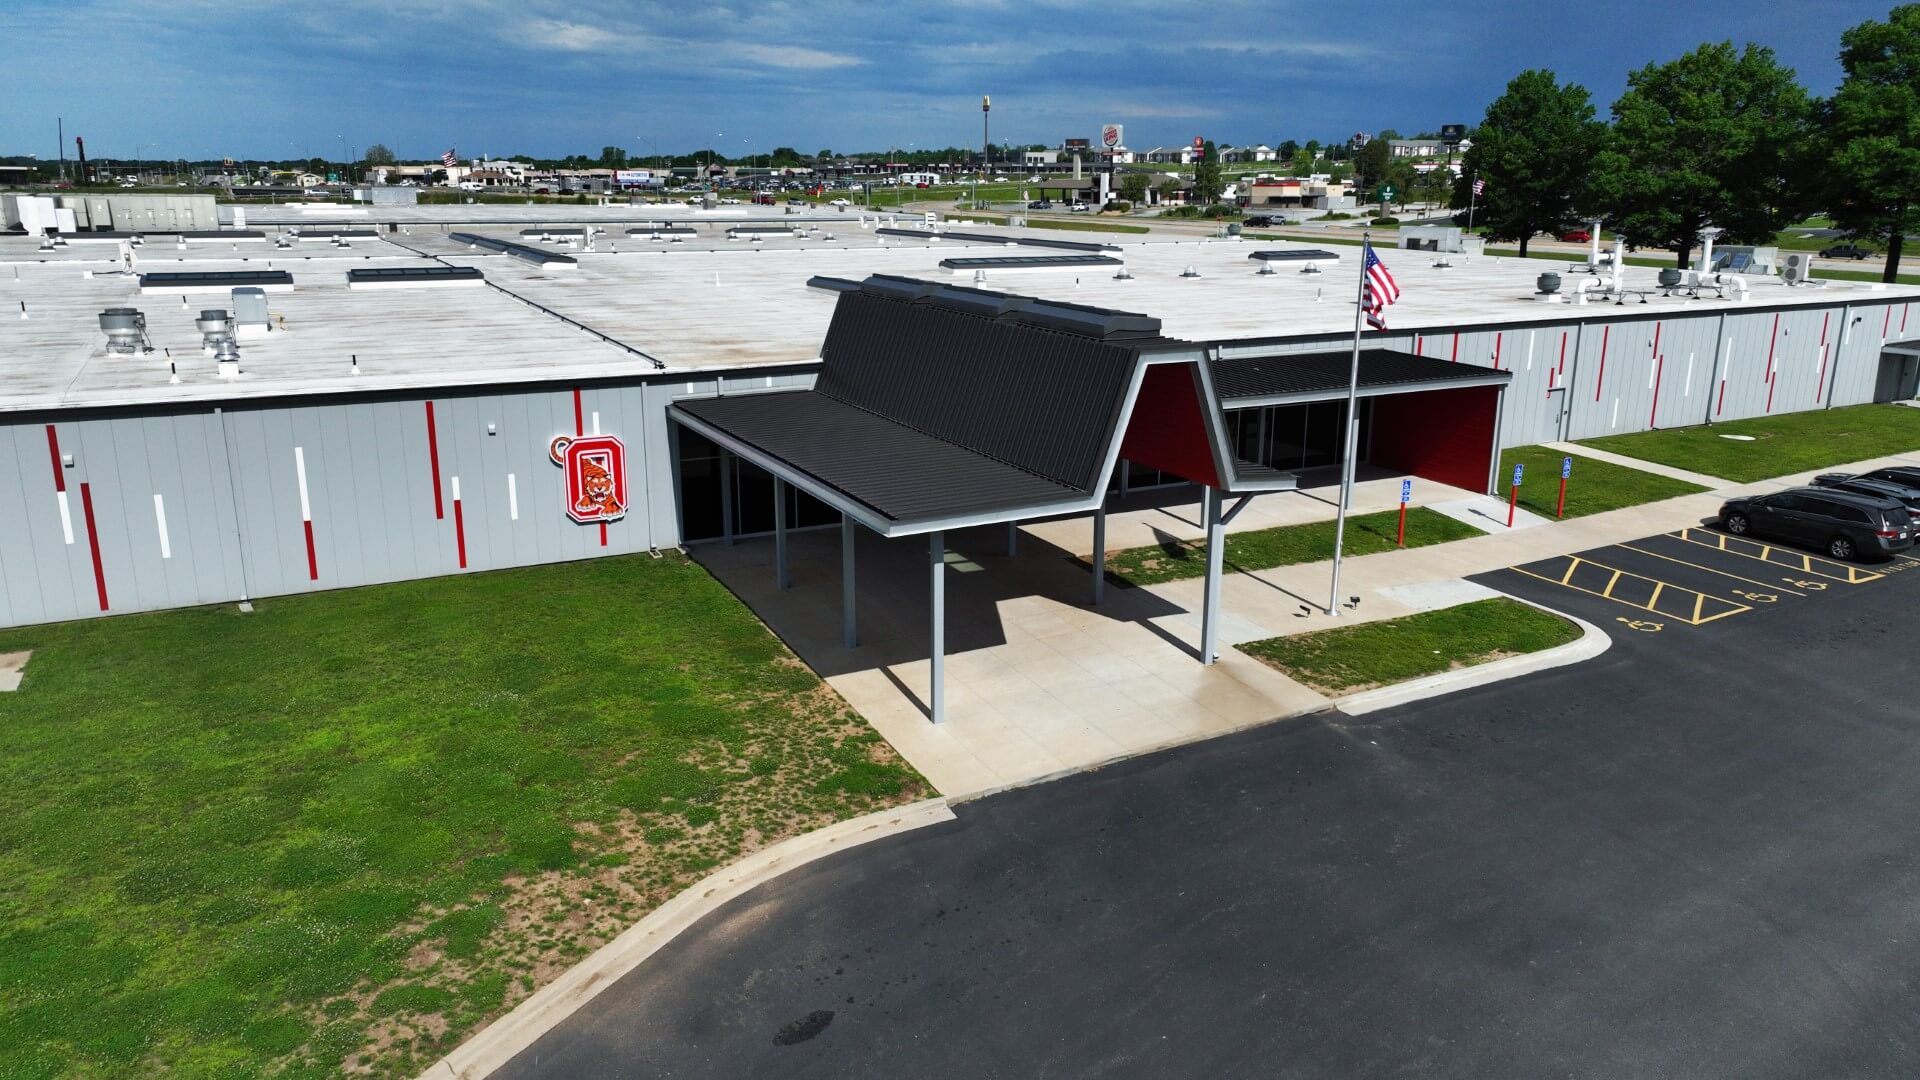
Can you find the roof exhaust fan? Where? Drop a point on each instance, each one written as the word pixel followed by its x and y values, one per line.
pixel 126 330
pixel 217 340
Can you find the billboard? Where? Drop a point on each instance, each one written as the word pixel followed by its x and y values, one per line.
pixel 1077 144
pixel 1453 134
pixel 1111 135
pixel 633 177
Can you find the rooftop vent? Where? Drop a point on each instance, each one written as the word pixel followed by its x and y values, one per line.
pixel 217 340
pixel 1189 271
pixel 126 330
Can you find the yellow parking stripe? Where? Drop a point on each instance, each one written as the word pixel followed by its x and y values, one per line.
pixel 1698 616
pixel 1710 570
pixel 1788 560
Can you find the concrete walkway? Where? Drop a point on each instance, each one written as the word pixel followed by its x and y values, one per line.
pixel 1040 682
pixel 1654 467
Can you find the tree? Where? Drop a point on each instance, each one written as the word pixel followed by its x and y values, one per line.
pixel 1313 148
pixel 1133 187
pixel 378 154
pixel 1871 133
pixel 1713 138
pixel 1533 149
pixel 1208 182
pixel 1370 164
pixel 824 155
pixel 1286 150
pixel 613 157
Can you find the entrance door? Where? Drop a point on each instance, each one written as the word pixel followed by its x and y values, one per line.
pixel 1899 377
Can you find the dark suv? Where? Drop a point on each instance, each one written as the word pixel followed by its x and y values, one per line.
pixel 1897 474
pixel 1906 495
pixel 1843 524
pixel 1845 251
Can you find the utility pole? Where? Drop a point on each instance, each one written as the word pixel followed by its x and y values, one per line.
pixel 61 123
pixel 986 138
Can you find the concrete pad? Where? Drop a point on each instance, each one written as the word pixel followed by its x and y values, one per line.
pixel 1488 513
pixel 12 666
pixel 1436 595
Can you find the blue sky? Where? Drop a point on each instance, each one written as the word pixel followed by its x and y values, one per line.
pixel 260 78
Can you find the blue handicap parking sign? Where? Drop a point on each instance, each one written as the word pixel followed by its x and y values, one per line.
pixel 1518 469
pixel 1566 467
pixel 1406 491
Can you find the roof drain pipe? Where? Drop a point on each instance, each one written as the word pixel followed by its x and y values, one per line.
pixel 1583 287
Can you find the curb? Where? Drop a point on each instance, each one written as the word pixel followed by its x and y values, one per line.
pixel 498 1042
pixel 1591 643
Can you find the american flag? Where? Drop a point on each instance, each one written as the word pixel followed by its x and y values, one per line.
pixel 1379 288
pixel 1479 186
pixel 448 159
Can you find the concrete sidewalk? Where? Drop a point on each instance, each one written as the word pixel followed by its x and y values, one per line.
pixel 1040 682
pixel 1654 467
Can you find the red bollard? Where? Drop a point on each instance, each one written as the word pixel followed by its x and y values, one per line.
pixel 1512 499
pixel 1560 511
pixel 1401 539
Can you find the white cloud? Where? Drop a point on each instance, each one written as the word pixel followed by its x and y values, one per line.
pixel 794 57
pixel 565 36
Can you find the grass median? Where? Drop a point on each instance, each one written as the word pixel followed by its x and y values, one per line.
pixel 1775 445
pixel 1285 545
pixel 1354 658
pixel 337 834
pixel 1595 486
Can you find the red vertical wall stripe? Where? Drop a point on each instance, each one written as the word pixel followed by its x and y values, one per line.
pixel 93 542
pixel 1772 343
pixel 1819 385
pixel 1659 370
pixel 433 460
pixel 1456 349
pixel 1496 350
pixel 53 451
pixel 313 558
pixel 579 424
pixel 460 533
pixel 1605 333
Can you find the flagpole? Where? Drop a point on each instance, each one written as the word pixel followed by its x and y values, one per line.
pixel 1353 429
pixel 1473 196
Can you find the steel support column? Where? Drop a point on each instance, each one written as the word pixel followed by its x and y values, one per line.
pixel 937 683
pixel 1013 539
pixel 849 622
pixel 726 496
pixel 1210 603
pixel 1100 552
pixel 781 577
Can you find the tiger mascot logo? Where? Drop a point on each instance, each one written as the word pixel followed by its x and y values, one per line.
pixel 596 472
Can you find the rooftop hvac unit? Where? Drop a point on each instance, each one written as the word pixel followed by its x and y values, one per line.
pixel 1798 269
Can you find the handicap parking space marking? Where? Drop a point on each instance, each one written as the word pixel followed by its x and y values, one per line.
pixel 1678 602
pixel 1797 562
pixel 1768 587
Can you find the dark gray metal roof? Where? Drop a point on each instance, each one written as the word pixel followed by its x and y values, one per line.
pixel 370 274
pixel 901 474
pixel 938 402
pixel 1309 374
pixel 833 284
pixel 508 247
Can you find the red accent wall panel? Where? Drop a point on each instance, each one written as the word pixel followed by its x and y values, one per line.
pixel 1168 431
pixel 1440 435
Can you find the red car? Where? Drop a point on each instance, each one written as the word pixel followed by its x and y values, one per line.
pixel 1576 236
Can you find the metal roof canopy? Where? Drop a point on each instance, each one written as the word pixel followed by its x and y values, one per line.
pixel 939 407
pixel 1253 382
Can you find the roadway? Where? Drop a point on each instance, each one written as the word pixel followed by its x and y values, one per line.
pixel 1691 856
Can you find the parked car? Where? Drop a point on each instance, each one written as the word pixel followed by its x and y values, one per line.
pixel 1845 251
pixel 1040 204
pixel 1905 494
pixel 840 203
pixel 1079 207
pixel 1898 474
pixel 1576 236
pixel 1843 524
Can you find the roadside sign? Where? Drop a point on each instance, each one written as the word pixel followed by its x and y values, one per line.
pixel 1566 467
pixel 1387 193
pixel 1406 492
pixel 1518 471
pixel 1110 135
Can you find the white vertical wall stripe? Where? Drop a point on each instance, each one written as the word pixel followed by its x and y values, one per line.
pixel 513 498
pixel 300 471
pixel 456 489
pixel 66 516
pixel 596 421
pixel 160 520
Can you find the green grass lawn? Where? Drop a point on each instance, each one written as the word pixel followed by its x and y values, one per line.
pixel 342 831
pixel 1353 658
pixel 1595 487
pixel 1788 443
pixel 1284 545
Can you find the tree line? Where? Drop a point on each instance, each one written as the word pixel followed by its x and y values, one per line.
pixel 1720 137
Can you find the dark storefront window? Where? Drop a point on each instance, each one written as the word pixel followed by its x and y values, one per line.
pixel 700 496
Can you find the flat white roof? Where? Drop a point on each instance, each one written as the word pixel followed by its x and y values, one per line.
pixel 704 303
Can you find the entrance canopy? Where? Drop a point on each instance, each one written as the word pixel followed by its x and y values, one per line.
pixel 939 406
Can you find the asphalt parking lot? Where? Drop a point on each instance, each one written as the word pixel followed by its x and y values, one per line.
pixel 1690 856
pixel 1689 580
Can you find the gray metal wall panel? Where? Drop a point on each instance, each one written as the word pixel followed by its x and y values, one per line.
pixel 27 514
